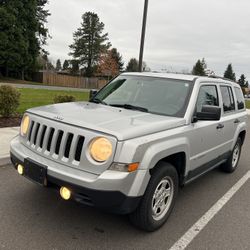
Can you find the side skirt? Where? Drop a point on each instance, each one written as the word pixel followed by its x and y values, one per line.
pixel 203 169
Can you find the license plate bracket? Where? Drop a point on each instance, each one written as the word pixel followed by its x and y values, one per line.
pixel 35 172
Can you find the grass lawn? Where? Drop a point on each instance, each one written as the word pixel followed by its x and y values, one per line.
pixel 248 104
pixel 38 97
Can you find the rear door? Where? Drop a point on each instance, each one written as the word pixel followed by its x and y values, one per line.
pixel 229 118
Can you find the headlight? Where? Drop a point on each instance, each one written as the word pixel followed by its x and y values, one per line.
pixel 100 149
pixel 25 125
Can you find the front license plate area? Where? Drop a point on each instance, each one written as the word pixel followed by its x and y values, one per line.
pixel 35 172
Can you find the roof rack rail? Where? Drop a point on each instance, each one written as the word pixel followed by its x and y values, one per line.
pixel 220 77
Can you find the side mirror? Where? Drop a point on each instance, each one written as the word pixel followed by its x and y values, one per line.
pixel 92 93
pixel 209 113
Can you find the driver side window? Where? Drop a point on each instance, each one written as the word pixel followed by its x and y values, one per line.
pixel 208 95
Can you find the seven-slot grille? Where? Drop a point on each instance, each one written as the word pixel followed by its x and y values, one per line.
pixel 65 144
pixel 55 142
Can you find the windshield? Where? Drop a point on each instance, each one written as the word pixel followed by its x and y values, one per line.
pixel 147 94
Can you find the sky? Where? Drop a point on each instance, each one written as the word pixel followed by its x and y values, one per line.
pixel 179 32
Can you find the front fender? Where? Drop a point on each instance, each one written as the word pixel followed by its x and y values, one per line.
pixel 163 149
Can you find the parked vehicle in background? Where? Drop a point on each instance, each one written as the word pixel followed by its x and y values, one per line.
pixel 130 148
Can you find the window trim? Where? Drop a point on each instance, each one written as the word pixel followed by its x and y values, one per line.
pixel 208 85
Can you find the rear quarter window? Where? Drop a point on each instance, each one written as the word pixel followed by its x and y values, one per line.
pixel 240 99
pixel 227 98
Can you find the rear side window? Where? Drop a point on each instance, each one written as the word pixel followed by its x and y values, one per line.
pixel 227 98
pixel 240 98
pixel 207 96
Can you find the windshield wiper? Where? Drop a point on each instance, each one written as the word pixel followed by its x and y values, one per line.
pixel 96 100
pixel 128 106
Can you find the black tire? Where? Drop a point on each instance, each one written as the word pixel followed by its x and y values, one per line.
pixel 230 166
pixel 143 217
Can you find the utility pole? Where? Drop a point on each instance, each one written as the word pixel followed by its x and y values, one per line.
pixel 144 22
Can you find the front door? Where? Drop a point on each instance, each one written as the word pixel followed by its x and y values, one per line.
pixel 206 136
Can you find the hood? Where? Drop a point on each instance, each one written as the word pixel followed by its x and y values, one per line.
pixel 122 123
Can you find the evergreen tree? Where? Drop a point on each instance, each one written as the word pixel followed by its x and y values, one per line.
pixel 19 37
pixel 58 65
pixel 65 65
pixel 229 73
pixel 74 69
pixel 46 63
pixel 89 42
pixel 199 69
pixel 118 58
pixel 242 81
pixel 133 65
pixel 8 48
pixel 204 64
pixel 41 17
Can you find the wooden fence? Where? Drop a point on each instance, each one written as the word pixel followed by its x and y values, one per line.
pixel 53 79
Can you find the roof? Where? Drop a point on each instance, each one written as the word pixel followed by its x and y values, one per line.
pixel 163 75
pixel 179 76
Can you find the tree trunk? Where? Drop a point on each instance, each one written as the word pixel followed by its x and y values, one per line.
pixel 7 71
pixel 22 74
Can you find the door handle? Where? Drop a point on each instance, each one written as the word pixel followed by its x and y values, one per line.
pixel 220 126
pixel 237 121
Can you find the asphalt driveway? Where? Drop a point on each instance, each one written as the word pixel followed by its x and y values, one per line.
pixel 32 217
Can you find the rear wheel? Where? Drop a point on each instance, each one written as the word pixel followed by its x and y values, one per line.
pixel 231 164
pixel 158 200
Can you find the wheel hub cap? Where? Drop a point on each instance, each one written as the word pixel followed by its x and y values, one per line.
pixel 162 198
pixel 236 154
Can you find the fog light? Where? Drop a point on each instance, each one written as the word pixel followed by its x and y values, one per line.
pixel 20 169
pixel 65 193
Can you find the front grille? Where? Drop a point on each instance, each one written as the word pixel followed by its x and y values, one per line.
pixel 42 136
pixel 58 142
pixel 68 145
pixel 65 144
pixel 54 141
pixel 79 148
pixel 51 134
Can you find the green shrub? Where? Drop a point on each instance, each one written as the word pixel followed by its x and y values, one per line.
pixel 9 100
pixel 64 98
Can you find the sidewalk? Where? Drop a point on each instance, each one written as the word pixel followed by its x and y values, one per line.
pixel 6 135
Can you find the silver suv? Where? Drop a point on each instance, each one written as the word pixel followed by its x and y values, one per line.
pixel 131 147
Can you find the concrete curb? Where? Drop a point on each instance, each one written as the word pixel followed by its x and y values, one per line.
pixel 6 135
pixel 5 161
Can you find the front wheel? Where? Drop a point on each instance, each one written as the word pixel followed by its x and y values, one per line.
pixel 231 164
pixel 158 200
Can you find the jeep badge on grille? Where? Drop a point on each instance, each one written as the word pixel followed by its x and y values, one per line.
pixel 58 118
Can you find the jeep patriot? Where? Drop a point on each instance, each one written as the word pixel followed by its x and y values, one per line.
pixel 137 140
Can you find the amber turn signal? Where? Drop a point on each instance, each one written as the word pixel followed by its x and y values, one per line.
pixel 133 167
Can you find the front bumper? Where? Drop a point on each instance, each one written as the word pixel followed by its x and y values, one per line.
pixel 118 192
